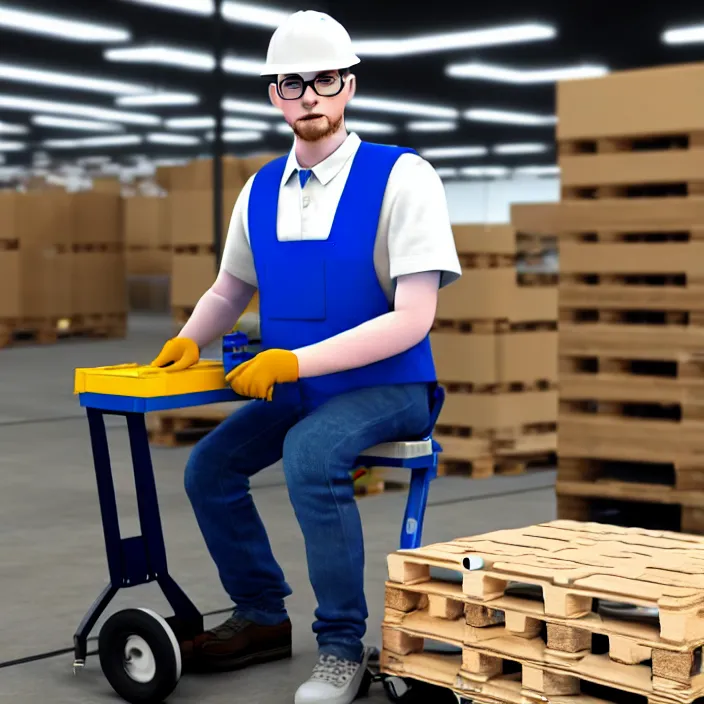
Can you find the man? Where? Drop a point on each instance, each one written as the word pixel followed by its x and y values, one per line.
pixel 347 243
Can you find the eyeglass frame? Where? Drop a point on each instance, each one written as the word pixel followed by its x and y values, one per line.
pixel 343 73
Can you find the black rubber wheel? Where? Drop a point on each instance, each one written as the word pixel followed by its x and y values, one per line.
pixel 140 656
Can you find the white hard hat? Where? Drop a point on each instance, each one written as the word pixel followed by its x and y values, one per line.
pixel 309 41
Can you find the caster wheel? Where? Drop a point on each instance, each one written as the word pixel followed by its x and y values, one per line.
pixel 140 656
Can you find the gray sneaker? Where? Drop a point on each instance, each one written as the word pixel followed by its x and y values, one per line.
pixel 334 681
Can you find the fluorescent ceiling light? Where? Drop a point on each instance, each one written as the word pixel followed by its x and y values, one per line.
pixel 23 74
pixel 93 160
pixel 159 99
pixel 453 152
pixel 446 172
pixel 7 128
pixel 117 141
pixel 504 74
pixel 242 66
pixel 510 118
pixel 60 27
pixel 451 41
pixel 177 139
pixel 164 56
pixel 402 107
pixel 12 102
pixel 431 126
pixel 193 7
pixel 537 170
pixel 482 171
pixel 520 148
pixel 367 126
pixel 250 107
pixel 87 125
pixel 693 34
pixel 238 136
pixel 12 146
pixel 235 123
pixel 284 128
pixel 255 15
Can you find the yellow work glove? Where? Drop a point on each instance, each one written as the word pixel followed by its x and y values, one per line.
pixel 181 351
pixel 256 377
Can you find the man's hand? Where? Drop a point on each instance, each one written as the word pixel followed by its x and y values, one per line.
pixel 256 377
pixel 179 352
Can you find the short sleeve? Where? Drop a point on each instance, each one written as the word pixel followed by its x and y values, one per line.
pixel 237 258
pixel 420 233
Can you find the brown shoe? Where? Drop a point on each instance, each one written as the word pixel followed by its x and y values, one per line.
pixel 237 643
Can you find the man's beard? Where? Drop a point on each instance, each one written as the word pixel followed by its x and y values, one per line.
pixel 315 130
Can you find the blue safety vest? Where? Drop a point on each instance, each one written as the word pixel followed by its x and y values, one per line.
pixel 311 290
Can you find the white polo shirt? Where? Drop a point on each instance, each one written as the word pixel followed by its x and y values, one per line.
pixel 414 232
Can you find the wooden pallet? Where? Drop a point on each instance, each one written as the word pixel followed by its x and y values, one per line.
pixel 547 635
pixel 643 512
pixel 490 466
pixel 183 427
pixel 491 326
pixel 43 331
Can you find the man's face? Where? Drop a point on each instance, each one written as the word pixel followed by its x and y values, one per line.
pixel 311 116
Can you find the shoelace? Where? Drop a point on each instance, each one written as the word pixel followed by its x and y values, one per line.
pixel 334 670
pixel 231 626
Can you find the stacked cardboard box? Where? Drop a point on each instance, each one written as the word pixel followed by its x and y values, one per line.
pixel 631 230
pixel 191 216
pixel 495 346
pixel 147 239
pixel 551 616
pixel 62 265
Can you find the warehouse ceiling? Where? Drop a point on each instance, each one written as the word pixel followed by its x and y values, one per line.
pixel 470 85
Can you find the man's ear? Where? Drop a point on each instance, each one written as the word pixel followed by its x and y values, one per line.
pixel 274 96
pixel 352 89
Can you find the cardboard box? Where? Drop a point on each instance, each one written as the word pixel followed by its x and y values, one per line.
pixel 197 175
pixel 480 294
pixel 148 261
pixel 527 356
pixel 192 217
pixel 496 411
pixel 639 102
pixel 96 218
pixel 466 359
pixel 192 275
pixel 98 283
pixel 146 221
pixel 481 239
pixel 488 359
pixel 36 219
pixel 35 283
pixel 10 284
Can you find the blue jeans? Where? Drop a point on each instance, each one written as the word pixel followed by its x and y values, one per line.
pixel 318 448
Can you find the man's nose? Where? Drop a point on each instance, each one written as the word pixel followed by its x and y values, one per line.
pixel 310 97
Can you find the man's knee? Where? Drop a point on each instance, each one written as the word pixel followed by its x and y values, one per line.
pixel 206 464
pixel 309 457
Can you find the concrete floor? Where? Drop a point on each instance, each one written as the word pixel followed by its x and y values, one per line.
pixel 52 559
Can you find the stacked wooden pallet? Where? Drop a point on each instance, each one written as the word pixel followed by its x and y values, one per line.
pixel 575 613
pixel 495 347
pixel 631 232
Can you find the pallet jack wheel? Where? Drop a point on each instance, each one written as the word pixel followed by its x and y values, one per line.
pixel 140 656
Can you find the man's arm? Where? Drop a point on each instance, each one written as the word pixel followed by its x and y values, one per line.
pixel 221 306
pixel 390 334
pixel 218 309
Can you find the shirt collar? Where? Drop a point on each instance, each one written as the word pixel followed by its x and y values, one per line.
pixel 327 169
